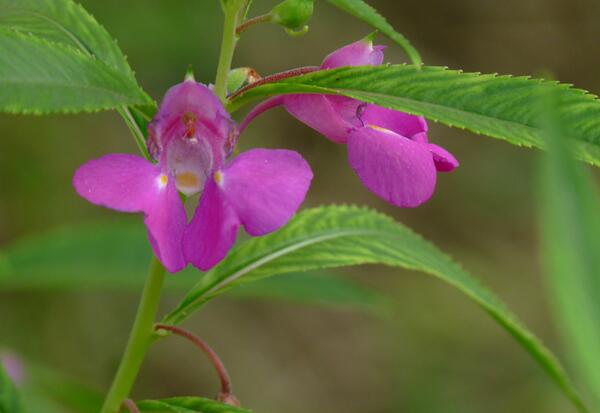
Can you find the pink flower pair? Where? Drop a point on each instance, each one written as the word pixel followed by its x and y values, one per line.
pixel 192 137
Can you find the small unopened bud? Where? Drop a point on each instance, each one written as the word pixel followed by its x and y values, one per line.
pixel 293 15
pixel 240 77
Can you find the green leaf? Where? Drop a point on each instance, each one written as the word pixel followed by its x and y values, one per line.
pixel 187 405
pixel 343 236
pixel 313 288
pixel 10 400
pixel 369 15
pixel 37 76
pixel 570 235
pixel 64 21
pixel 502 107
pixel 113 256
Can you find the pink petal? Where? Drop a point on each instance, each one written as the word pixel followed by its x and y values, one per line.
pixel 444 160
pixel 166 221
pixel 266 187
pixel 129 183
pixel 212 231
pixel 123 182
pixel 322 113
pixel 191 96
pixel 360 53
pixel 190 109
pixel 397 169
pixel 409 126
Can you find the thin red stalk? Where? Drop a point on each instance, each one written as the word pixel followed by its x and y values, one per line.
pixel 251 22
pixel 204 347
pixel 274 78
pixel 131 406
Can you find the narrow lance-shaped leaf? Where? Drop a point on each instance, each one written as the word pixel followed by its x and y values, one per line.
pixel 37 76
pixel 342 236
pixel 570 237
pixel 502 107
pixel 369 15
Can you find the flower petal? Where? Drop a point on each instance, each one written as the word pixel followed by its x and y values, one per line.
pixel 129 183
pixel 191 96
pixel 409 126
pixel 397 169
pixel 360 53
pixel 212 231
pixel 324 114
pixel 444 160
pixel 190 109
pixel 123 182
pixel 266 187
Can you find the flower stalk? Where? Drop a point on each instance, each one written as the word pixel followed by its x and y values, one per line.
pixel 231 10
pixel 225 394
pixel 131 406
pixel 263 18
pixel 140 338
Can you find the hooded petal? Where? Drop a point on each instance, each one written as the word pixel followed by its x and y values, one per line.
pixel 360 53
pixel 265 187
pixel 409 126
pixel 129 183
pixel 191 110
pixel 397 169
pixel 212 231
pixel 444 160
pixel 191 96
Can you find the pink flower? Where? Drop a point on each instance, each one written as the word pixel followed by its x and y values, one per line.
pixel 13 366
pixel 191 137
pixel 389 150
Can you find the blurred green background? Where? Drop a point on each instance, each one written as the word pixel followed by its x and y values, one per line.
pixel 438 352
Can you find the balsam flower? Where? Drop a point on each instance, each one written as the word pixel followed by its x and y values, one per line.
pixel 191 137
pixel 389 150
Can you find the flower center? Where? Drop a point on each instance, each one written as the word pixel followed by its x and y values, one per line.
pixel 190 160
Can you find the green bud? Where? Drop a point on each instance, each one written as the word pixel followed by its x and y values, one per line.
pixel 292 14
pixel 240 77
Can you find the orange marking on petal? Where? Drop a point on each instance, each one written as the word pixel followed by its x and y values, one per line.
pixel 187 179
pixel 218 176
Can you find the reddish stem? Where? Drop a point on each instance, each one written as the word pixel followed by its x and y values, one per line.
pixel 131 406
pixel 225 394
pixel 274 78
pixel 251 22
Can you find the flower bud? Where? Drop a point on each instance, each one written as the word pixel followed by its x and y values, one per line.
pixel 240 77
pixel 293 14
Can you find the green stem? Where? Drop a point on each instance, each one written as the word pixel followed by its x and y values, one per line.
pixel 231 9
pixel 135 130
pixel 140 338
